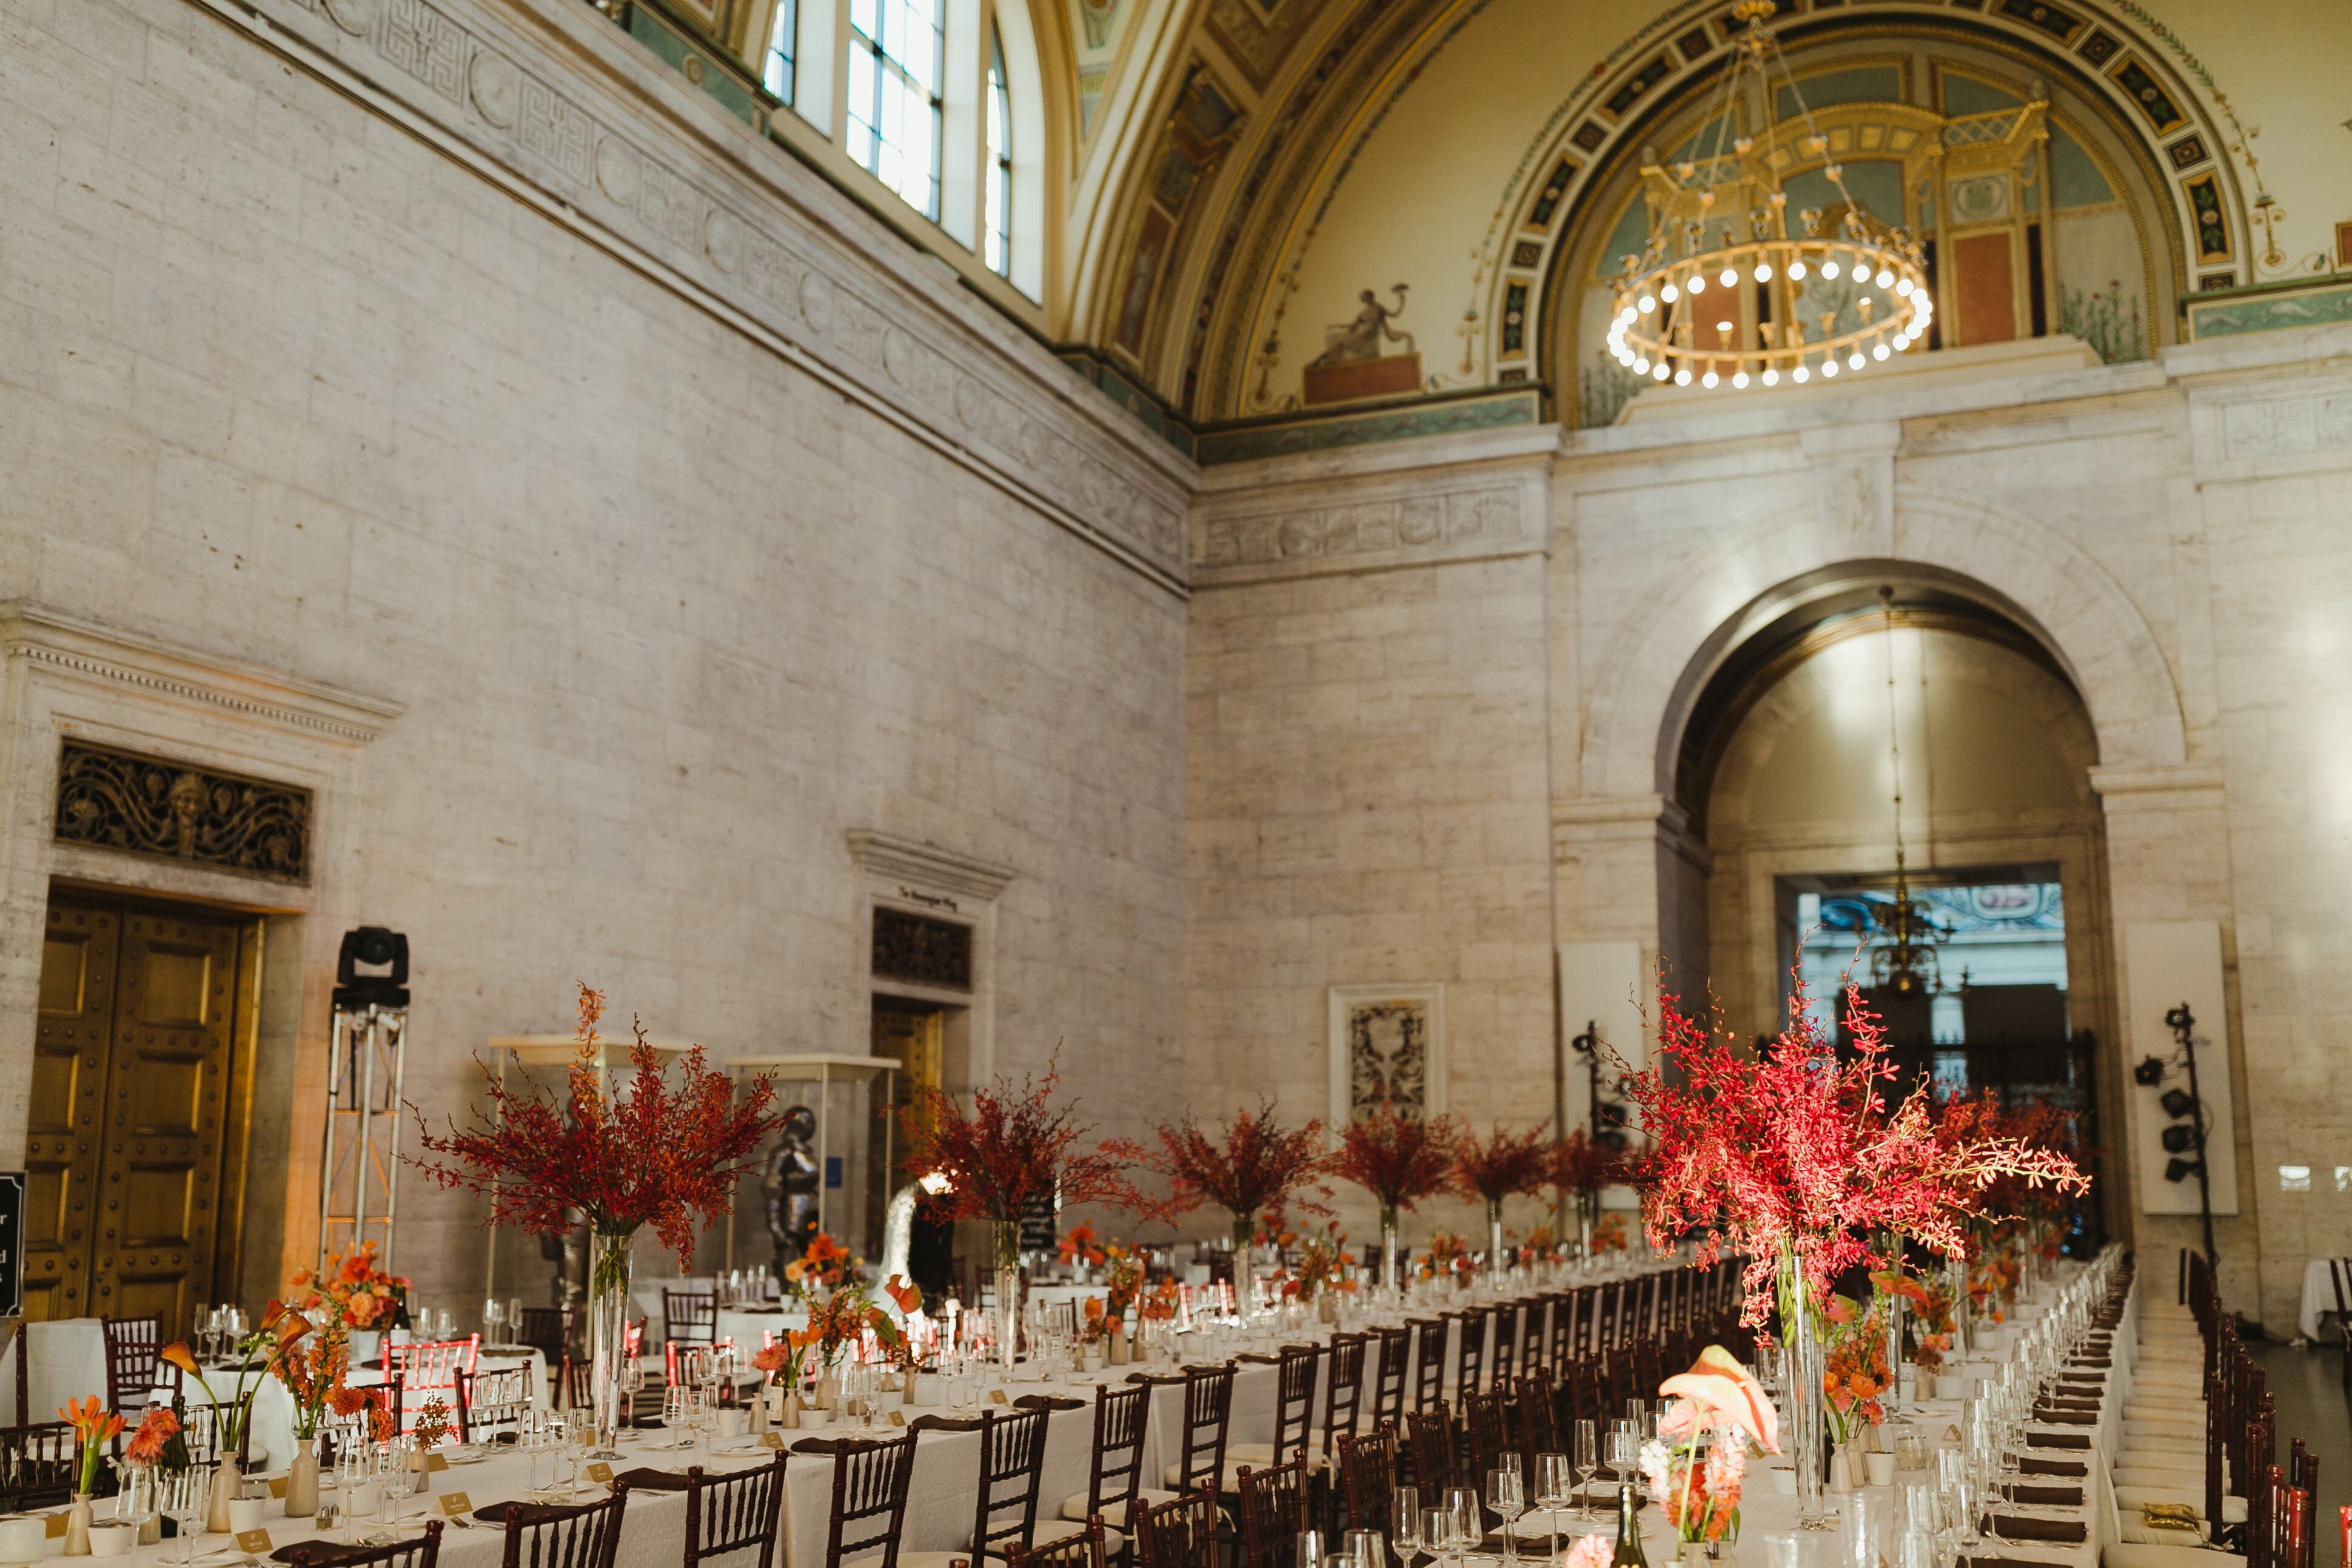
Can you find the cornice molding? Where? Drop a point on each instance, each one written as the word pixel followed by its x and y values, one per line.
pixel 887 855
pixel 36 635
pixel 668 183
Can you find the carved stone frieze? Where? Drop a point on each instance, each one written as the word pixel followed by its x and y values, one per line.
pixel 1441 525
pixel 451 62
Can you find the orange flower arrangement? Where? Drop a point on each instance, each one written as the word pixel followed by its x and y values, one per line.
pixel 1079 1247
pixel 157 1427
pixel 782 1359
pixel 312 1372
pixel 362 1295
pixel 825 1264
pixel 94 1427
pixel 279 1329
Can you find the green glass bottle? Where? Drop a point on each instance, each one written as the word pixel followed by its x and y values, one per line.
pixel 1629 1530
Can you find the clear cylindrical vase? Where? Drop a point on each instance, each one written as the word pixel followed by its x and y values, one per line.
pixel 1390 1280
pixel 1800 1325
pixel 1245 1265
pixel 608 1335
pixel 1956 1277
pixel 1496 1264
pixel 1008 1294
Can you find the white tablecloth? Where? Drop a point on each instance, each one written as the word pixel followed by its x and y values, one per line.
pixel 67 1362
pixel 2318 1294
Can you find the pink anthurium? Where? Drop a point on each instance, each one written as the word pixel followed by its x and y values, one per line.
pixel 1721 1387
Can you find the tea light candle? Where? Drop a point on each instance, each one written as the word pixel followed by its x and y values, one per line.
pixel 22 1538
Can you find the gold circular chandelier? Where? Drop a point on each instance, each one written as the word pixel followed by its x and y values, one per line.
pixel 1702 304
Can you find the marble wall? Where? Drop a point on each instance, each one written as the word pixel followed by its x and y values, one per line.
pixel 2173 532
pixel 651 583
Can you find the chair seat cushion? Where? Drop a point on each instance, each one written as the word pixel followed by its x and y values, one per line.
pixel 2141 1554
pixel 1074 1506
pixel 2131 1498
pixel 1228 1481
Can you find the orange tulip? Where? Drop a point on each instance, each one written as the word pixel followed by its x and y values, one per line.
pixel 178 1354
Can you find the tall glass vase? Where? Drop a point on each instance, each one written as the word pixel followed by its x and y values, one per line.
pixel 1891 1399
pixel 1008 1293
pixel 1800 1325
pixel 1389 1259
pixel 1496 1264
pixel 1245 1265
pixel 1955 1279
pixel 608 1335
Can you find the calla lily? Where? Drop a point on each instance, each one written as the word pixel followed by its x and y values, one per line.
pixel 178 1354
pixel 1721 1386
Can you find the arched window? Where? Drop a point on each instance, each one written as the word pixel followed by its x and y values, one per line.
pixel 897 62
pixel 997 245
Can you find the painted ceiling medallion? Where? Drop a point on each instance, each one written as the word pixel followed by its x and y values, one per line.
pixel 1721 297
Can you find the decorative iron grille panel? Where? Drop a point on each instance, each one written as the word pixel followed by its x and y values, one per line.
pixel 919 948
pixel 149 806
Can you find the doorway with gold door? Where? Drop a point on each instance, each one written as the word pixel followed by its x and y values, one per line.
pixel 135 1143
pixel 915 1033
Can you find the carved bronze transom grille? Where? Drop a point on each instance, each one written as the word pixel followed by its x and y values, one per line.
pixel 921 950
pixel 152 805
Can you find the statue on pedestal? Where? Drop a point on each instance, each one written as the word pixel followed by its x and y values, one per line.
pixel 791 1183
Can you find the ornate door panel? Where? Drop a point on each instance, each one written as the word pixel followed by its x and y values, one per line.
pixel 64 1143
pixel 166 1114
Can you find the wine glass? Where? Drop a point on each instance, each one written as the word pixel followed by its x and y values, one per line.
pixel 1625 1452
pixel 1462 1502
pixel 677 1413
pixel 183 1495
pixel 135 1504
pixel 1404 1520
pixel 1588 1464
pixel 354 1475
pixel 1507 1495
pixel 1554 1485
pixel 1364 1549
pixel 1310 1550
pixel 1437 1531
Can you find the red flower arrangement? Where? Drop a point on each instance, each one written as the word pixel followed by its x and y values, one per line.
pixel 656 1155
pixel 1798 1153
pixel 1503 1165
pixel 157 1427
pixel 1581 1164
pixel 1078 1246
pixel 359 1294
pixel 1014 1151
pixel 822 1266
pixel 1251 1165
pixel 1399 1159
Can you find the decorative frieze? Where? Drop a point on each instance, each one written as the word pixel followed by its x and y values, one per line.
pixel 1448 525
pixel 150 806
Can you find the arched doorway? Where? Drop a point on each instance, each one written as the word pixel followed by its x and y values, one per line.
pixel 1789 769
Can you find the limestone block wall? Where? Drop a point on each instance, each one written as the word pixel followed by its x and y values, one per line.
pixel 294 375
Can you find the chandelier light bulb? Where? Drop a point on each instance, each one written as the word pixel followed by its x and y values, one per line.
pixel 1683 377
pixel 1829 370
pixel 1772 378
pixel 1727 278
pixel 1829 268
pixel 1738 379
pixel 1854 360
pixel 1658 371
pixel 1801 376
pixel 1627 315
pixel 1879 352
pixel 1649 303
pixel 1708 380
pixel 1641 364
pixel 1797 271
pixel 1763 272
pixel 1902 285
pixel 1669 293
pixel 1885 278
pixel 1699 285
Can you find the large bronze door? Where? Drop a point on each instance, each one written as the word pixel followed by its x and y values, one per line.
pixel 142 1011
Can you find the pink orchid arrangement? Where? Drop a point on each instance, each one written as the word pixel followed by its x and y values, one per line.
pixel 1797 1151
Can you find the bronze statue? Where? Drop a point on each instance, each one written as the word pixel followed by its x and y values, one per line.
pixel 791 1183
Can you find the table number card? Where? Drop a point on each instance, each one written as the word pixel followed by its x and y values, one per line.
pixel 253 1541
pixel 772 1439
pixel 997 1396
pixel 278 1488
pixel 436 1462
pixel 898 1418
pixel 54 1527
pixel 602 1474
pixel 454 1503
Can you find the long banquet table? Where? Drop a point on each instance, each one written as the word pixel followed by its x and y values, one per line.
pixel 944 1487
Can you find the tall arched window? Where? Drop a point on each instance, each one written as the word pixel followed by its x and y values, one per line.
pixel 997 245
pixel 897 62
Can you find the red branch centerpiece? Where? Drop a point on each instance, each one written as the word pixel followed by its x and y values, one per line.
pixel 1251 1166
pixel 1581 1166
pixel 1794 1160
pixel 1400 1160
pixel 1013 1154
pixel 657 1155
pixel 1503 1164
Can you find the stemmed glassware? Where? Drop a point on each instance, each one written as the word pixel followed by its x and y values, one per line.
pixel 1437 1532
pixel 1555 1484
pixel 1588 1465
pixel 1507 1494
pixel 184 1495
pixel 354 1484
pixel 1462 1504
pixel 1404 1520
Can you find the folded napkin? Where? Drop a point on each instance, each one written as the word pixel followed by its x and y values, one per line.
pixel 321 1550
pixel 2066 1415
pixel 2024 1527
pixel 2046 1497
pixel 645 1478
pixel 2058 1439
pixel 2002 1562
pixel 2033 1467
pixel 1048 1402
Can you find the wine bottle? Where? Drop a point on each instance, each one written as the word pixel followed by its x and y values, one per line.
pixel 1629 1531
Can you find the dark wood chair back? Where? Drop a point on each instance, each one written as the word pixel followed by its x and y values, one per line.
pixel 565 1535
pixel 36 1465
pixel 1389 1376
pixel 1428 1363
pixel 1433 1449
pixel 1510 1322
pixel 869 1498
pixel 689 1315
pixel 1208 1410
pixel 134 1347
pixel 1469 1354
pixel 546 1329
pixel 1122 1420
pixel 417 1551
pixel 1294 1409
pixel 1011 1457
pixel 1179 1533
pixel 1606 1302
pixel 1084 1550
pixel 1367 1472
pixel 1567 1328
pixel 1343 1389
pixel 1273 1513
pixel 1487 1419
pixel 1538 1419
pixel 737 1512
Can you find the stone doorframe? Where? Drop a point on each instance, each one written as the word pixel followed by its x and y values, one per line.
pixel 67 677
pixel 923 878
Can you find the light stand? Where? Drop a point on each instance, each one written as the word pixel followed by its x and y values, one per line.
pixel 359 1163
pixel 2182 1023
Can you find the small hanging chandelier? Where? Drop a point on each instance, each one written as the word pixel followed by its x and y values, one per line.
pixel 1679 315
pixel 1906 962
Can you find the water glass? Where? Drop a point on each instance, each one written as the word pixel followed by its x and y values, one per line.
pixel 1310 1550
pixel 1365 1549
pixel 1587 1463
pixel 1404 1519
pixel 1462 1503
pixel 184 1495
pixel 1507 1495
pixel 1437 1531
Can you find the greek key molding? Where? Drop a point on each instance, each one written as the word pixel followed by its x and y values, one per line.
pixel 609 167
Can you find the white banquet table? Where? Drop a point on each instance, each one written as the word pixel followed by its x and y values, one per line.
pixel 67 1360
pixel 2318 1294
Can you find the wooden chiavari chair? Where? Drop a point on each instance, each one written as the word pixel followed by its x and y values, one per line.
pixel 1538 1420
pixel 1114 1481
pixel 417 1551
pixel 1469 1352
pixel 1086 1549
pixel 564 1535
pixel 1179 1533
pixel 1428 1363
pixel 689 1315
pixel 1486 1419
pixel 1273 1513
pixel 1389 1376
pixel 1433 1449
pixel 869 1499
pixel 431 1366
pixel 1293 1410
pixel 1343 1394
pixel 1208 1411
pixel 134 1348
pixel 1368 1476
pixel 36 1465
pixel 734 1512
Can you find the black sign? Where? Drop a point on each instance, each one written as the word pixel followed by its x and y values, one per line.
pixel 12 1243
